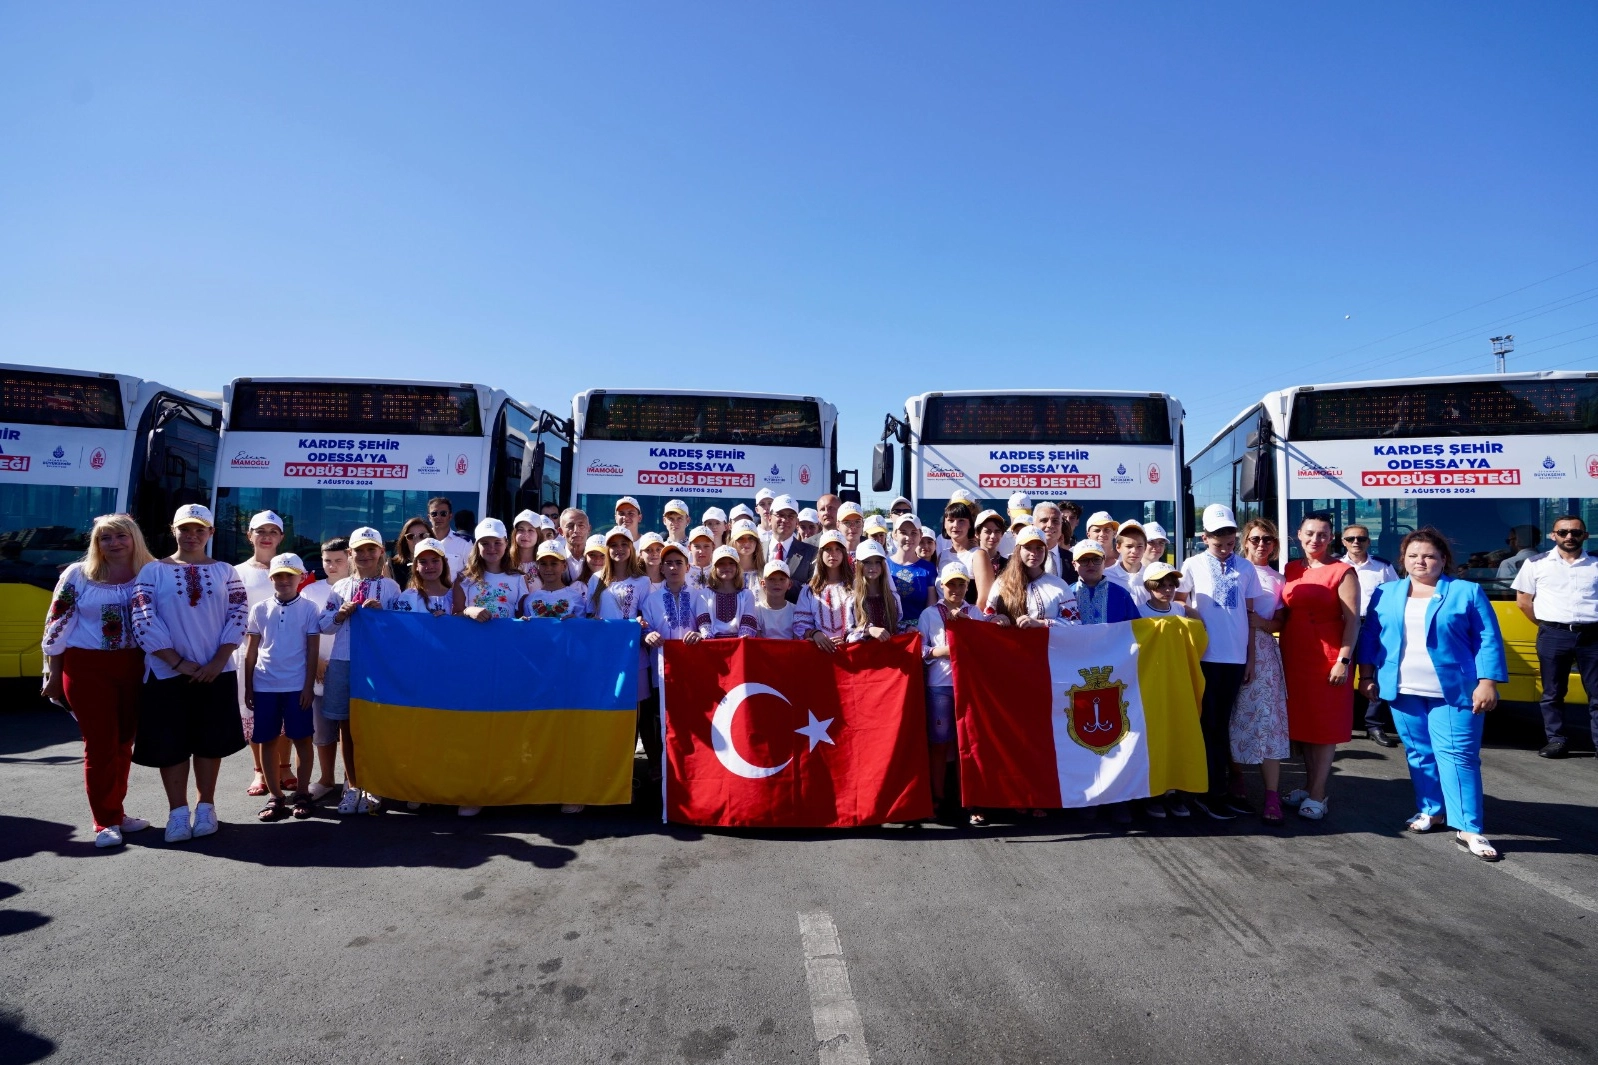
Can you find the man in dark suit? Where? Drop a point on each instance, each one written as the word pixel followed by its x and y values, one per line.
pixel 787 547
pixel 1050 521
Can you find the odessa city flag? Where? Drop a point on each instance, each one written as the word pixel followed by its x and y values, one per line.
pixel 1078 715
pixel 450 710
pixel 779 733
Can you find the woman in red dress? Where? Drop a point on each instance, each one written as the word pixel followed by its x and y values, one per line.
pixel 1321 599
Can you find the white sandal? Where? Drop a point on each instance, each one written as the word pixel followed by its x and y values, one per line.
pixel 1478 846
pixel 1423 822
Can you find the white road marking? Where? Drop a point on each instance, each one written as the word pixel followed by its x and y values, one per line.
pixel 1553 887
pixel 840 1036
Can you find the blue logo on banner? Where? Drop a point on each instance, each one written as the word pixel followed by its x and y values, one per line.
pixel 776 471
pixel 1121 469
pixel 58 452
pixel 429 461
pixel 1548 462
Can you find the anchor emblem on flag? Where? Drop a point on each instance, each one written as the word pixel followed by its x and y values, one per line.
pixel 1096 709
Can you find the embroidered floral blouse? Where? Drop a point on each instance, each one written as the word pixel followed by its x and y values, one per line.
pixel 193 610
pixel 89 615
pixel 498 593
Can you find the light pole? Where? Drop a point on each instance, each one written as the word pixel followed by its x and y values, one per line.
pixel 1502 346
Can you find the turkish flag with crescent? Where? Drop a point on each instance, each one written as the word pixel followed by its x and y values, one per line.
pixel 779 733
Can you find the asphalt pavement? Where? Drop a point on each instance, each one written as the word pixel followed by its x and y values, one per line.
pixel 528 936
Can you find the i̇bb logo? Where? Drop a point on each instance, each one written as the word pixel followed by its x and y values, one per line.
pixel 804 474
pixel 460 466
pixel 1592 465
pixel 97 459
pixel 1154 474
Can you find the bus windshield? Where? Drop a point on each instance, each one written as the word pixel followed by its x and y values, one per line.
pixel 319 514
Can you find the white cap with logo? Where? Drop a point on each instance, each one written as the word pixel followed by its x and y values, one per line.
pixel 193 514
pixel 266 517
pixel 1218 516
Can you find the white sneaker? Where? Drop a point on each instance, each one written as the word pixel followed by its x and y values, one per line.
pixel 1294 797
pixel 178 828
pixel 351 801
pixel 204 819
pixel 109 837
pixel 468 811
pixel 1312 810
pixel 572 808
pixel 133 824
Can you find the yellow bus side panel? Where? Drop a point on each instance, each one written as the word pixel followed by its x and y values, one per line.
pixel 1520 645
pixel 22 610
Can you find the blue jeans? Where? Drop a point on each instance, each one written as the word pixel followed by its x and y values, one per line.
pixel 1443 746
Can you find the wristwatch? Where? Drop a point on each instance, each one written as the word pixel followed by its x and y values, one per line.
pixel 1342 661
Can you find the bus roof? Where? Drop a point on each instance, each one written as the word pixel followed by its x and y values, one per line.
pixel 1137 393
pixel 1278 400
pixel 136 391
pixel 694 392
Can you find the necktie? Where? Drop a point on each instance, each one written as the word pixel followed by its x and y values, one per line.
pixel 779 554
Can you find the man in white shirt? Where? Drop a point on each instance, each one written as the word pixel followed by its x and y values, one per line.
pixel 1558 590
pixel 786 546
pixel 1371 571
pixel 457 545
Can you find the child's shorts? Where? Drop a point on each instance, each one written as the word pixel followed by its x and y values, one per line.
pixel 336 691
pixel 280 714
pixel 940 715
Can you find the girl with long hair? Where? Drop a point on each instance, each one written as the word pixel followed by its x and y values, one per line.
pixel 825 610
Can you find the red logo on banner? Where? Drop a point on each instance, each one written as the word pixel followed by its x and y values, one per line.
pixel 804 474
pixel 1154 474
pixel 1097 709
pixel 1592 465
pixel 97 459
pixel 460 466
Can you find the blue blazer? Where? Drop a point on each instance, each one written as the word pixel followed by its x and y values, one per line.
pixel 1461 634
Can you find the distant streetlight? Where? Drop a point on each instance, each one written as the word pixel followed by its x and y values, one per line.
pixel 1502 346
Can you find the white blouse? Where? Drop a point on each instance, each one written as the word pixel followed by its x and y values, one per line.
pixel 353 590
pixel 727 615
pixel 620 601
pixel 88 615
pixel 193 610
pixel 498 593
pixel 414 602
pixel 558 604
pixel 935 634
pixel 1417 675
pixel 831 611
pixel 1048 599
pixel 1269 601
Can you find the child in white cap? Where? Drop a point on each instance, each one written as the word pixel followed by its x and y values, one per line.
pixel 809 525
pixel 878 613
pixel 432 589
pixel 825 611
pixel 715 519
pixel 773 612
pixel 851 522
pixel 675 515
pixel 729 608
pixel 491 587
pixel 701 545
pixel 265 536
pixel 934 623
pixel 751 554
pixel 913 577
pixel 282 637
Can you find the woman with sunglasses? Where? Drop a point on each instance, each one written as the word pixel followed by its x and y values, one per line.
pixel 412 533
pixel 1259 717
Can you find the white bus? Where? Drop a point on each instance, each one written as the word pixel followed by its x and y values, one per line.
pixel 1489 460
pixel 1115 451
pixel 332 455
pixel 74 445
pixel 710 448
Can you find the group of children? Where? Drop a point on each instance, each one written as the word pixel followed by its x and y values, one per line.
pixel 864 578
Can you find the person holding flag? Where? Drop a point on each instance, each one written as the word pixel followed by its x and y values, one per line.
pixel 934 624
pixel 1026 596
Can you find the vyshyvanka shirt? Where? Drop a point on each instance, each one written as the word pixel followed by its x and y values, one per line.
pixel 89 615
pixel 193 610
pixel 830 612
pixel 498 593
pixel 356 590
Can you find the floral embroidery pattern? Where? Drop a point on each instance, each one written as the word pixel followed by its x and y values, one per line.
pixel 62 608
pixel 193 582
pixel 557 609
pixel 113 629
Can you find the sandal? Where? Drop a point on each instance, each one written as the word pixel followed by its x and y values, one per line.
pixel 1423 822
pixel 275 810
pixel 1478 846
pixel 257 786
pixel 286 779
pixel 304 806
pixel 977 821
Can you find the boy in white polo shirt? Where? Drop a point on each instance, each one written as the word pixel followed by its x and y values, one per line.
pixel 282 637
pixel 1222 586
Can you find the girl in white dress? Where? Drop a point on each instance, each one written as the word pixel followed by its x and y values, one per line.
pixel 556 598
pixel 526 533
pixel 950 609
pixel 431 591
pixel 825 611
pixel 751 555
pixel 729 608
pixel 491 586
pixel 648 547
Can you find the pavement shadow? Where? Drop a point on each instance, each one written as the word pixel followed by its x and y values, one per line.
pixel 18 1046
pixel 24 836
pixel 22 733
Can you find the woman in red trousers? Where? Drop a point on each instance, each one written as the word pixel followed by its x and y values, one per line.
pixel 95 667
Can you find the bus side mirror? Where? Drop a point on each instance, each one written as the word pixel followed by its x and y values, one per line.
pixel 1253 478
pixel 533 477
pixel 882 467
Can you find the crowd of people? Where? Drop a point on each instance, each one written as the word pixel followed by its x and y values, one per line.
pixel 141 649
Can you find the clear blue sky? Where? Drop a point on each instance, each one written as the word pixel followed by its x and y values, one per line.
pixel 861 201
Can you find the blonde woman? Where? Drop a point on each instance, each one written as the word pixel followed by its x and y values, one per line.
pixel 94 667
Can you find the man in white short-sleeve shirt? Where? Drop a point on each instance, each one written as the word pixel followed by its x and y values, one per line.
pixel 1558 590
pixel 1221 586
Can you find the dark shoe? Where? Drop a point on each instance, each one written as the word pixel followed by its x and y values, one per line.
pixel 1177 806
pixel 1239 804
pixel 1555 748
pixel 1121 813
pixel 1380 737
pixel 1213 807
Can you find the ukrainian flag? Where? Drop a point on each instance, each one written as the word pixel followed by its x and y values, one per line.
pixel 450 710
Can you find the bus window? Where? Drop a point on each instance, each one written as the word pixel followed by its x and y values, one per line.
pixel 34 551
pixel 314 515
pixel 174 463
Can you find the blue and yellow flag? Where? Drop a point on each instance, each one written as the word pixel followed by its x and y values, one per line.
pixel 449 710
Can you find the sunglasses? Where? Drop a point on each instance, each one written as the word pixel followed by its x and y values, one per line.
pixel 439 513
pixel 1356 539
pixel 1262 539
pixel 1570 532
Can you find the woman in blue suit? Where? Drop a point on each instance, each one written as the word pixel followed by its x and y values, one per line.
pixel 1430 646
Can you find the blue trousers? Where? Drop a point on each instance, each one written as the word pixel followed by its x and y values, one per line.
pixel 1443 746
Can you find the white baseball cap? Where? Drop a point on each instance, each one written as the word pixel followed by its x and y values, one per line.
pixel 546 522
pixel 193 514
pixel 675 506
pixel 426 544
pixel 831 536
pixel 808 514
pixel 928 533
pixel 550 549
pixel 900 499
pixel 850 510
pixel 1083 548
pixel 267 517
pixel 489 527
pixel 1020 501
pixel 619 530
pixel 1155 531
pixel 742 529
pixel 875 524
pixel 743 510
pixel 763 495
pixel 287 562
pixel 648 540
pixel 869 549
pixel 776 566
pixel 594 543
pixel 627 501
pixel 782 503
pixel 365 535
pixel 1155 572
pixel 906 519
pixel 1101 517
pixel 960 495
pixel 526 516
pixel 1132 523
pixel 700 530
pixel 1218 516
pixel 953 571
pixel 1028 534
pixel 713 514
pixel 987 515
pixel 724 551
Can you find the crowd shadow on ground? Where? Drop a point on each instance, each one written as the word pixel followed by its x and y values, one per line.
pixel 25 731
pixel 18 1046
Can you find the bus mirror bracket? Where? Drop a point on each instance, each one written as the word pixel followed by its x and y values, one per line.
pixel 882 466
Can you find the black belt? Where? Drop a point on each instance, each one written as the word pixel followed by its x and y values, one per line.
pixel 1568 627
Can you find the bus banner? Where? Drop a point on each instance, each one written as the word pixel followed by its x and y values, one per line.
pixel 1064 470
pixel 1492 467
pixel 350 460
pixel 54 454
pixel 636 468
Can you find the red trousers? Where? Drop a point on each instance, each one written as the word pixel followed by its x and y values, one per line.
pixel 102 688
